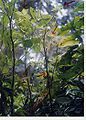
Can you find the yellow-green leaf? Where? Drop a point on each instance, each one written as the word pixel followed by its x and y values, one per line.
pixel 67 41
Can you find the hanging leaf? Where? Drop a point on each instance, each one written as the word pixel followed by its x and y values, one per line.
pixel 67 41
pixel 33 13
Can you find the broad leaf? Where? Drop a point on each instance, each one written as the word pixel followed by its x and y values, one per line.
pixel 67 41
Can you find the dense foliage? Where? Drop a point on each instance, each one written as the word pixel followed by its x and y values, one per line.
pixel 41 58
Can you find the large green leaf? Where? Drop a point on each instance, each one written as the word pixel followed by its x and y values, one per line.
pixel 67 41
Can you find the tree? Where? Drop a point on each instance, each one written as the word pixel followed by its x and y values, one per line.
pixel 41 58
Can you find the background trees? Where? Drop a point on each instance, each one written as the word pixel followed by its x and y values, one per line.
pixel 41 58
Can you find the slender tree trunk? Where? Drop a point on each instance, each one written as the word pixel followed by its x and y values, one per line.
pixel 29 96
pixel 10 17
pixel 2 101
pixel 13 68
pixel 46 67
pixel 29 89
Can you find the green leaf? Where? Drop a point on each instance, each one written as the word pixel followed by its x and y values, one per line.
pixel 1 5
pixel 63 100
pixel 79 6
pixel 79 22
pixel 23 21
pixel 44 21
pixel 20 112
pixel 75 70
pixel 32 12
pixel 5 20
pixel 36 44
pixel 67 41
pixel 5 70
pixel 63 33
pixel 27 43
pixel 67 27
pixel 19 100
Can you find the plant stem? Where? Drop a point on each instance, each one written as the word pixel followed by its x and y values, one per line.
pixel 10 17
pixel 13 68
pixel 46 67
pixel 29 96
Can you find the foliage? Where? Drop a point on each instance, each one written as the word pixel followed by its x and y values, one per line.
pixel 41 58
